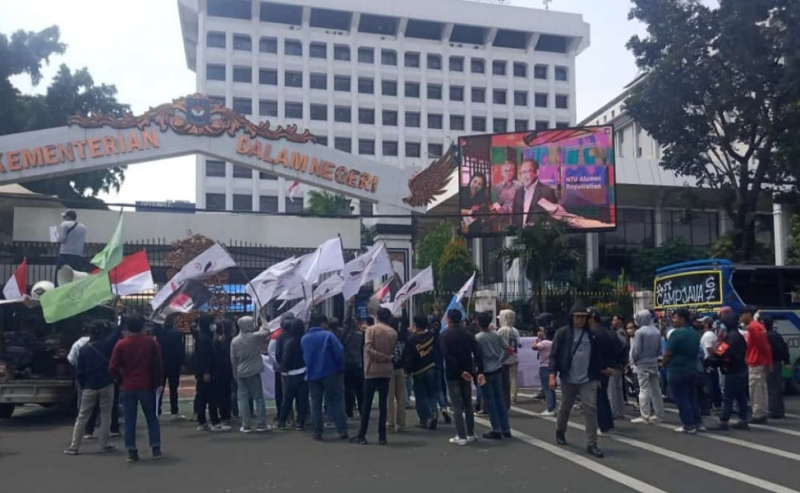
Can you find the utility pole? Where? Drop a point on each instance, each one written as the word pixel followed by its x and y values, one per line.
pixel 547 4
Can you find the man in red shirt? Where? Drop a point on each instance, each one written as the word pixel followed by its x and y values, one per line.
pixel 136 362
pixel 759 361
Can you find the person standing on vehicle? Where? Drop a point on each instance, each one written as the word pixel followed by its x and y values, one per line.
pixel 759 362
pixel 575 358
pixel 72 242
pixel 97 386
pixel 136 363
pixel 780 357
pixel 645 351
pixel 681 360
pixel 511 365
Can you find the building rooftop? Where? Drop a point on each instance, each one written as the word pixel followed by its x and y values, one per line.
pixel 459 22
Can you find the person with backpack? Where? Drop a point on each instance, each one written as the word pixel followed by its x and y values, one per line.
pixel 729 357
pixel 780 357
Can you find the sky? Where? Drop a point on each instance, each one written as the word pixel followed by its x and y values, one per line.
pixel 138 47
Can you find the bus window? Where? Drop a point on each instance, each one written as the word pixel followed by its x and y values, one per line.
pixel 791 288
pixel 758 286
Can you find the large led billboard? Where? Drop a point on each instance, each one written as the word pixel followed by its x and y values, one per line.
pixel 520 178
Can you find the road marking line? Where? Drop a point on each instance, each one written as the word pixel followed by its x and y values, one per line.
pixel 793 416
pixel 759 427
pixel 582 461
pixel 692 461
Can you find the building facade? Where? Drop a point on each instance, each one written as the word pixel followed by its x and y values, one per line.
pixel 397 81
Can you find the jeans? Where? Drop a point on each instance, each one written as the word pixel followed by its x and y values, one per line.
pixel 278 390
pixel 461 399
pixel 549 395
pixel 171 377
pixel 616 394
pixel 104 398
pixel 712 392
pixel 684 389
pixel 205 397
pixel 775 390
pixel 605 420
pixel 505 385
pixel 478 396
pixel 650 393
pixel 495 405
pixel 426 387
pixel 295 388
pixel 331 388
pixel 250 388
pixel 130 404
pixel 370 386
pixel 397 399
pixel 758 390
pixel 735 391
pixel 443 391
pixel 588 393
pixel 353 390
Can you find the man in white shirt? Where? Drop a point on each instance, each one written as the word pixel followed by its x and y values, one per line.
pixel 72 239
pixel 712 394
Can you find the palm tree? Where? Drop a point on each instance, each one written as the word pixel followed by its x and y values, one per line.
pixel 324 203
pixel 542 249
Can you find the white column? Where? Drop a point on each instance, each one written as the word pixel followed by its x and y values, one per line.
pixel 781 233
pixel 658 227
pixel 592 253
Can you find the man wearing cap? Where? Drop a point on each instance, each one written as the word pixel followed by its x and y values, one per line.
pixel 72 239
pixel 575 358
pixel 759 361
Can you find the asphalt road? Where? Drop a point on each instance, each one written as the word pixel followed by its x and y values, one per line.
pixel 643 458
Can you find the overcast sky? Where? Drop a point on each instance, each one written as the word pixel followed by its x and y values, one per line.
pixel 138 47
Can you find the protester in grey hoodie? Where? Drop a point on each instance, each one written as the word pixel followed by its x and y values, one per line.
pixel 247 365
pixel 645 350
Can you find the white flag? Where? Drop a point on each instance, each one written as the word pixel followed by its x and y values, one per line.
pixel 327 258
pixel 466 289
pixel 373 264
pixel 208 264
pixel 275 280
pixel 328 288
pixel 421 283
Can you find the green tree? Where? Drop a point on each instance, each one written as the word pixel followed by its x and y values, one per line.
pixel 794 240
pixel 430 248
pixel 542 249
pixel 455 267
pixel 70 93
pixel 721 93
pixel 322 203
pixel 670 252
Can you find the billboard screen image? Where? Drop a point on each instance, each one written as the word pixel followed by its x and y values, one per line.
pixel 517 179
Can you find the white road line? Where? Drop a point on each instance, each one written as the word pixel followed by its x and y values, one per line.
pixel 758 427
pixel 582 461
pixel 793 416
pixel 680 457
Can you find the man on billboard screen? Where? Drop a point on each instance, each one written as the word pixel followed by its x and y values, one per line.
pixel 520 178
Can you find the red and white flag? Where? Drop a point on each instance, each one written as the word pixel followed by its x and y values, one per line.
pixel 132 275
pixel 295 190
pixel 17 286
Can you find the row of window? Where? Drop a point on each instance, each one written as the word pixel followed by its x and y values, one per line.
pixel 411 59
pixel 242 202
pixel 366 85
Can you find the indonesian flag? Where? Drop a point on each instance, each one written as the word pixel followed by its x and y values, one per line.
pixel 295 190
pixel 17 285
pixel 132 275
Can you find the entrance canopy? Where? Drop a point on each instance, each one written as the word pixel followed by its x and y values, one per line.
pixel 196 125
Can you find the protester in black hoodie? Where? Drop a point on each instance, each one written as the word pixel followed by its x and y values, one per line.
pixel 173 351
pixel 419 361
pixel 610 351
pixel 204 371
pixel 222 379
pixel 353 341
pixel 730 359
pixel 289 354
pixel 462 356
pixel 780 357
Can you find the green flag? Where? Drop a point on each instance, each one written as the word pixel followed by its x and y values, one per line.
pixel 110 256
pixel 76 297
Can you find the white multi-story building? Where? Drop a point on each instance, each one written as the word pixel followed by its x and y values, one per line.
pixel 397 80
